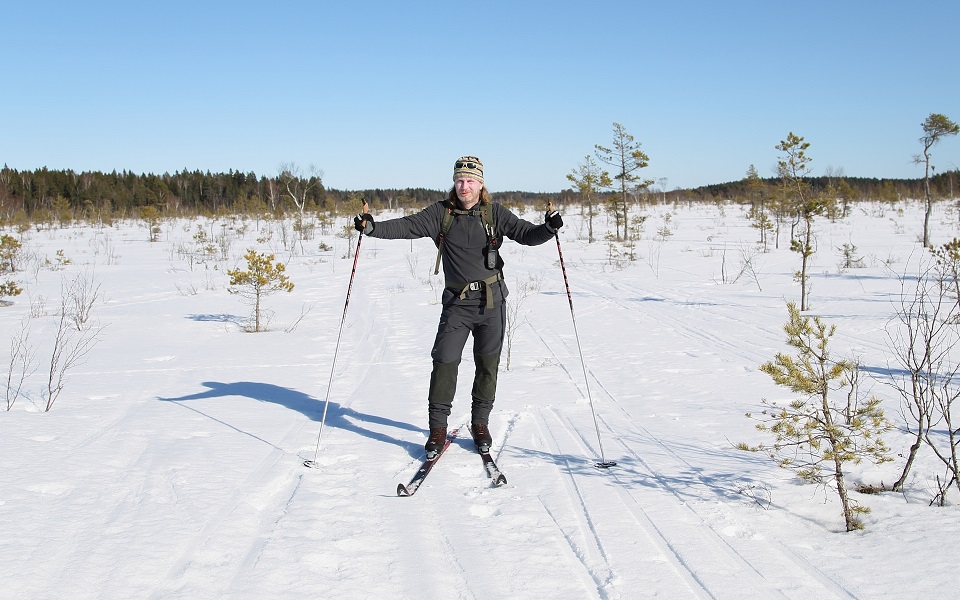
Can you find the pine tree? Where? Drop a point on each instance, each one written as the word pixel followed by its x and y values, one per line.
pixel 588 179
pixel 756 192
pixel 261 278
pixel 9 288
pixel 814 436
pixel 9 253
pixel 794 167
pixel 626 157
pixel 935 128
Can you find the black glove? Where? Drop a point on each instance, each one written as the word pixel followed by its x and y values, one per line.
pixel 553 220
pixel 363 223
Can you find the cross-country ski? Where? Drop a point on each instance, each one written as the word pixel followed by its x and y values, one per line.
pixel 411 488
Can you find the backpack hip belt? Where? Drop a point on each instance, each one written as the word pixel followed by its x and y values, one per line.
pixel 477 285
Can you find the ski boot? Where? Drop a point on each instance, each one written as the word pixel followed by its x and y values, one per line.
pixel 481 436
pixel 438 437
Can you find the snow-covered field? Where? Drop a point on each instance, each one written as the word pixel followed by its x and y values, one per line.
pixel 171 466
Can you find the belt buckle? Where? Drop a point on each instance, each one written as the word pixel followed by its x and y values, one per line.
pixel 475 285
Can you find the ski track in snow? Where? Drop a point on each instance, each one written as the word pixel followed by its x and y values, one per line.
pixel 769 571
pixel 261 502
pixel 242 518
pixel 690 548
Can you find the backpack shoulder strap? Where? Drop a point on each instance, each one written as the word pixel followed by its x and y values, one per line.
pixel 444 227
pixel 490 224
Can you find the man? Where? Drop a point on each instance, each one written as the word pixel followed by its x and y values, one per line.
pixel 466 228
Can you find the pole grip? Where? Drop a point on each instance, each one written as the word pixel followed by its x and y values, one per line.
pixel 364 209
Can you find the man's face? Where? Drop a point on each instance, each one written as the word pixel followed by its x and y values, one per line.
pixel 468 190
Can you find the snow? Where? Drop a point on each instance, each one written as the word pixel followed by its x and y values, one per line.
pixel 172 464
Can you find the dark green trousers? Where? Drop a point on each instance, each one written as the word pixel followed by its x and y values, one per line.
pixel 457 323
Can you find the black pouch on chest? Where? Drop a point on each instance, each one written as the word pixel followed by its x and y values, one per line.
pixel 492 250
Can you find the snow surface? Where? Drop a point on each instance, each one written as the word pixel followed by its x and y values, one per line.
pixel 172 464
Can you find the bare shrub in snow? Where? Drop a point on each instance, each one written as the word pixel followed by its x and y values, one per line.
pixel 71 345
pixel 923 339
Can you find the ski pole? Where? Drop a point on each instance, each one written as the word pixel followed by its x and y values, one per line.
pixel 603 464
pixel 326 403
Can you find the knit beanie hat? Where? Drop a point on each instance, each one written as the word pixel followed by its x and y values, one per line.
pixel 468 166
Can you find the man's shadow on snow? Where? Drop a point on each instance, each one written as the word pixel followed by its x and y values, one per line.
pixel 337 416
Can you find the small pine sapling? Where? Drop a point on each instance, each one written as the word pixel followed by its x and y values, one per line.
pixel 9 289
pixel 151 214
pixel 9 256
pixel 9 253
pixel 816 436
pixel 851 258
pixel 262 278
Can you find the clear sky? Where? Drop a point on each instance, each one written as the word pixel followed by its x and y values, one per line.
pixel 389 94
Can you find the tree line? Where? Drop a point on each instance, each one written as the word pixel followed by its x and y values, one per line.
pixel 49 194
pixel 93 195
pixel 944 185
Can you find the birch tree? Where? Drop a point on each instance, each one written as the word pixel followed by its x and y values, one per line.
pixel 298 186
pixel 924 338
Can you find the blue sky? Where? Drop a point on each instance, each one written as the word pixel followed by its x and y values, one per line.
pixel 379 94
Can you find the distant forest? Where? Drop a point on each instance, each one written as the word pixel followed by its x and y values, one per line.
pixel 45 194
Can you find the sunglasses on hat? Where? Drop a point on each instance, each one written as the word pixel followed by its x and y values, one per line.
pixel 469 165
